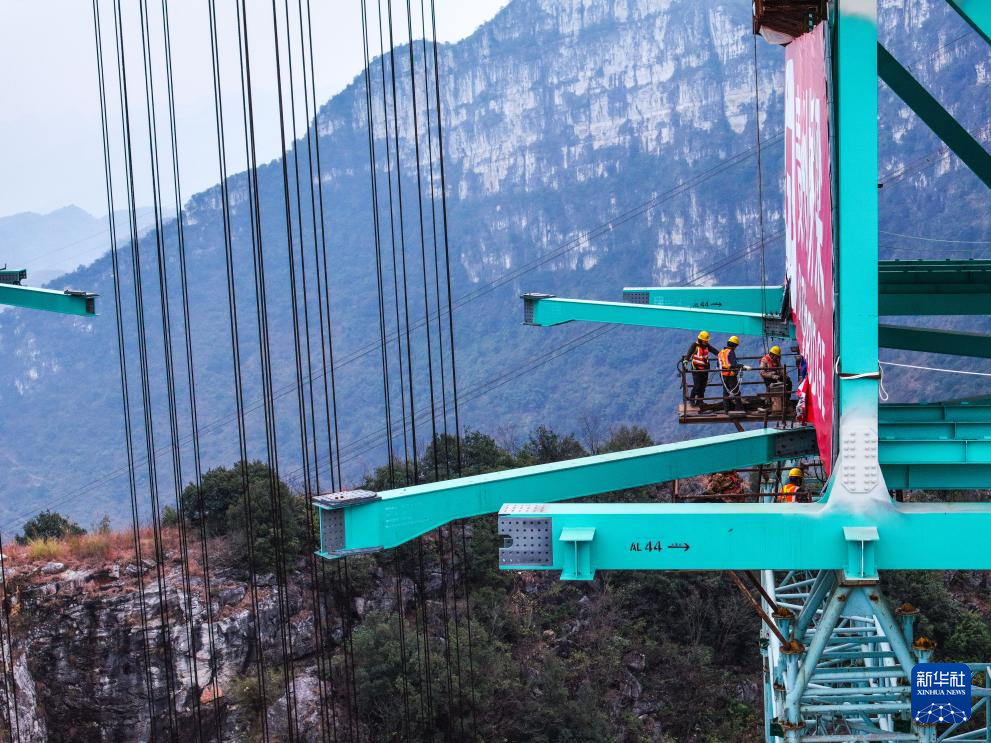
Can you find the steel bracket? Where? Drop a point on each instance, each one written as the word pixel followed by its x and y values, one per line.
pixel 577 552
pixel 861 566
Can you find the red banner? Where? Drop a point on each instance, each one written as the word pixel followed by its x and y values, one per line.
pixel 808 225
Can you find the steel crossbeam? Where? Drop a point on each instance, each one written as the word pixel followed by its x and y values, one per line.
pixel 545 310
pixel 748 536
pixel 67 302
pixel 361 520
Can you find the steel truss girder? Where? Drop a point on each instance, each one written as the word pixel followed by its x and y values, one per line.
pixel 844 674
pixel 937 118
pixel 854 686
pixel 360 520
pixel 66 302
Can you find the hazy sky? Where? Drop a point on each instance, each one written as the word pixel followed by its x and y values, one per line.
pixel 50 140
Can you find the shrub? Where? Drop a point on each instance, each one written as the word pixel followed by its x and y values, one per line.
pixel 169 518
pixel 44 549
pixel 98 546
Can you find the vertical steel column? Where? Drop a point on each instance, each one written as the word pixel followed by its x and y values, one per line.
pixel 857 473
pixel 855 93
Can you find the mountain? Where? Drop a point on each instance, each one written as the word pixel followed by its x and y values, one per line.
pixel 53 244
pixel 589 145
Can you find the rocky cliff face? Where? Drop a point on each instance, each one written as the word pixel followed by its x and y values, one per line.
pixel 548 657
pixel 79 655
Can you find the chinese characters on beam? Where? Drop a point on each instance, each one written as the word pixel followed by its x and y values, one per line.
pixel 808 224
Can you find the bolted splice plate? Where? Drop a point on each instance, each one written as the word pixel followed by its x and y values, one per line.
pixel 528 541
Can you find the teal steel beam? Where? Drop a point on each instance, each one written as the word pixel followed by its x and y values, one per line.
pixel 937 118
pixel 935 287
pixel 357 521
pixel 747 536
pixel 546 310
pixel 67 302
pixel 937 476
pixel 934 431
pixel 763 300
pixel 854 130
pixel 955 343
pixel 957 412
pixel 977 13
pixel 939 301
pixel 935 451
pixel 929 270
pixel 915 287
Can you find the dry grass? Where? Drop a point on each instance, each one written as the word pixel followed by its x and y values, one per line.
pixel 44 549
pixel 97 548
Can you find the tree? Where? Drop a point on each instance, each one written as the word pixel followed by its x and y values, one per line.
pixel 49 525
pixel 970 641
pixel 627 437
pixel 479 453
pixel 544 445
pixel 219 489
pixel 277 524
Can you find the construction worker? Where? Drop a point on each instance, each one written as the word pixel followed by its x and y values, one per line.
pixel 791 488
pixel 698 360
pixel 771 370
pixel 729 369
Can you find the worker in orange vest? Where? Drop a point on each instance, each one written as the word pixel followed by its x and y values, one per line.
pixel 771 370
pixel 729 370
pixel 791 488
pixel 698 361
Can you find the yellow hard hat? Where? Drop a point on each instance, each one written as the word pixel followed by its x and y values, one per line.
pixel 776 350
pixel 704 335
pixel 734 340
pixel 796 472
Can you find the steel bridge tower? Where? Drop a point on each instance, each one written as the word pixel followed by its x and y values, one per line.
pixel 837 657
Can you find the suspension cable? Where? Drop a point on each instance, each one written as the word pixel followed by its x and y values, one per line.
pixel 234 326
pixel 122 365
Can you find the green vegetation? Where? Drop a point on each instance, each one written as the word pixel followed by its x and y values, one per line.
pixel 272 514
pixel 628 656
pixel 49 525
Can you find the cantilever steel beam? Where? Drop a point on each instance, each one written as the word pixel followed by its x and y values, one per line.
pixel 546 310
pixel 358 521
pixel 937 118
pixel 755 299
pixel 906 287
pixel 956 343
pixel 580 538
pixel 977 13
pixel 67 302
